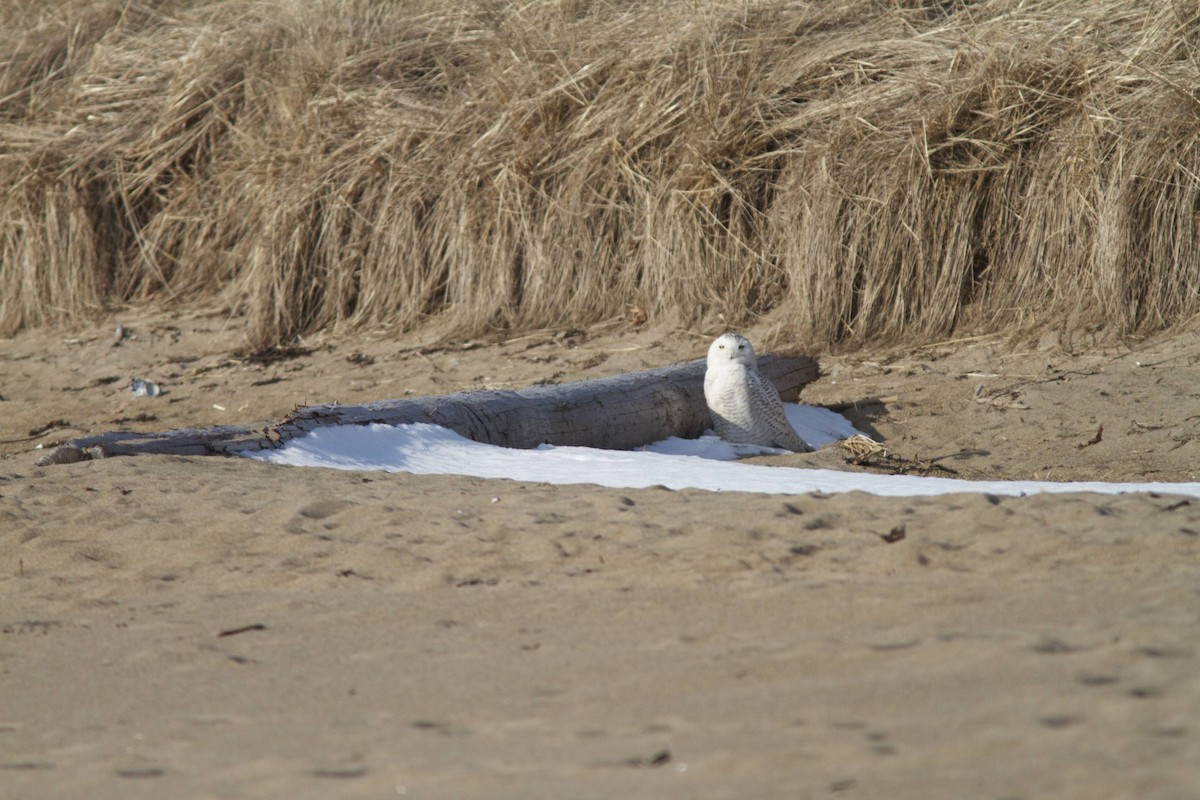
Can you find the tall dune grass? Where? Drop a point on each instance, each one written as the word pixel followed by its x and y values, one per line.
pixel 850 171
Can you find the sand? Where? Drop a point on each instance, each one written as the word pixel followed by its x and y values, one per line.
pixel 210 627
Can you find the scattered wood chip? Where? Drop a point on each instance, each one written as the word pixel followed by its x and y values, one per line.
pixel 139 772
pixel 338 772
pixel 258 626
pixel 656 760
pixel 1094 440
pixel 142 417
pixel 477 582
pixel 47 427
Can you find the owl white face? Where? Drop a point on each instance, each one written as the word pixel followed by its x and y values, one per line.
pixel 731 347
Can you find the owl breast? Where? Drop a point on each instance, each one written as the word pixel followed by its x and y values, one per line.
pixel 746 408
pixel 727 393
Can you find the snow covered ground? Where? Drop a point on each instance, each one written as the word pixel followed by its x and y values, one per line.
pixel 704 463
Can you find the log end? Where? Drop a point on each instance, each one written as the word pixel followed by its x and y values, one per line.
pixel 70 454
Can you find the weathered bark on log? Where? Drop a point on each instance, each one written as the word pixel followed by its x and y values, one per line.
pixel 617 413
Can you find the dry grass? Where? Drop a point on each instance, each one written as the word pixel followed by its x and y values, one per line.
pixel 849 171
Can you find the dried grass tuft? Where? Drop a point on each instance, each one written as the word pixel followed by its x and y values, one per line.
pixel 860 447
pixel 847 172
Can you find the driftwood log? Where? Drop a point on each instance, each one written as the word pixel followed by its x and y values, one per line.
pixel 617 413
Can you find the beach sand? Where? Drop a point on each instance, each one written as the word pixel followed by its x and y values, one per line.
pixel 216 627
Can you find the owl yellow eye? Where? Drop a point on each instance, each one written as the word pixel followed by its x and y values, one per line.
pixel 741 347
pixel 720 347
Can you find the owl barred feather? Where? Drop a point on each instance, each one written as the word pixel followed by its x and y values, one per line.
pixel 745 406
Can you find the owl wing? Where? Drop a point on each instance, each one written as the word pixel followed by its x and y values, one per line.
pixel 768 413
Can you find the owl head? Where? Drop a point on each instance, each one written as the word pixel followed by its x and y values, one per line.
pixel 731 347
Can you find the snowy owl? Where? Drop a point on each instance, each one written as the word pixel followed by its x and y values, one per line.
pixel 745 406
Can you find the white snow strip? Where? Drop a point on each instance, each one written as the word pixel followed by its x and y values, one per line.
pixel 675 463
